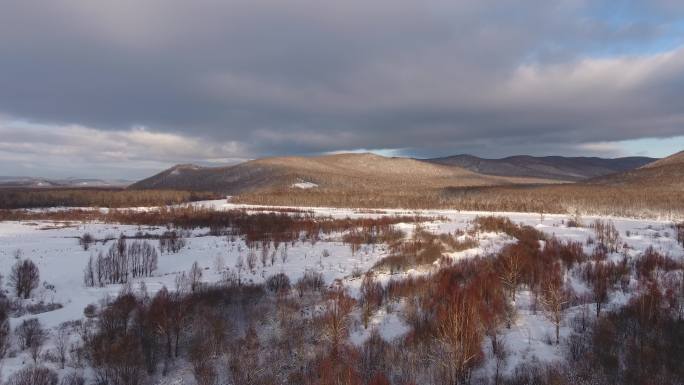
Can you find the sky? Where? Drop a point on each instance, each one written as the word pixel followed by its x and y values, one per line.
pixel 124 89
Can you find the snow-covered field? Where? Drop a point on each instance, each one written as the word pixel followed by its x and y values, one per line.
pixel 61 260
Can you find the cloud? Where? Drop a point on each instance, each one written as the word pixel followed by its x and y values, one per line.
pixel 247 78
pixel 65 151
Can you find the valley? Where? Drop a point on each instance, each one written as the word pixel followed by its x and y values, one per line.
pixel 236 261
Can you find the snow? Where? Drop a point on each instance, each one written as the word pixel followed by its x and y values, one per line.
pixel 489 243
pixel 61 260
pixel 304 185
pixel 532 336
pixel 388 324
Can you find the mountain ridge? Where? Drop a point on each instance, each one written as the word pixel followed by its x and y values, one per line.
pixel 571 169
pixel 38 182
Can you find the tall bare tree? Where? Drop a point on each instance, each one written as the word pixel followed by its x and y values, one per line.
pixel 554 297
pixel 24 278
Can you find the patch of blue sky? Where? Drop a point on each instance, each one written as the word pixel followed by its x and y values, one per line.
pixel 656 29
pixel 653 147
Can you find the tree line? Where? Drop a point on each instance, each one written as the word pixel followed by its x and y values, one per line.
pixel 18 198
pixel 643 201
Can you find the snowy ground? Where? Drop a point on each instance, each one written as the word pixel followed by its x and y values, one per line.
pixel 55 249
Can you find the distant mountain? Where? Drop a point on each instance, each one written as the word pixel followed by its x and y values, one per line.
pixel 32 182
pixel 342 172
pixel 547 167
pixel 11 181
pixel 666 173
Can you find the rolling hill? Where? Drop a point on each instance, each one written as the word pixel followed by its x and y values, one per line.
pixel 666 173
pixel 339 172
pixel 672 160
pixel 547 167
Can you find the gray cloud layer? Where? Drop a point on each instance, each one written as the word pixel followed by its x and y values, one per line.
pixel 263 77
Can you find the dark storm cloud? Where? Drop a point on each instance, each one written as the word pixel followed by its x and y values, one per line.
pixel 304 76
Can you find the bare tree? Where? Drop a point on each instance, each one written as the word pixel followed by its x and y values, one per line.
pixel 244 364
pixel 89 273
pixel 459 338
pixel 161 317
pixel 371 297
pixel 171 242
pixel 283 254
pixel 114 266
pixel 5 332
pixel 85 240
pixel 34 376
pixel 251 260
pixel 500 357
pixel 36 348
pixel 139 259
pixel 607 235
pixel 336 316
pixel 62 345
pixel 182 283
pixel 24 278
pixel 72 379
pixel 511 266
pixel 31 336
pixel 119 361
pixel 600 285
pixel 142 259
pixel 239 266
pixel 278 283
pixel 554 298
pixel 273 256
pixel 264 255
pixel 195 276
pixel 200 358
pixel 100 269
pixel 28 332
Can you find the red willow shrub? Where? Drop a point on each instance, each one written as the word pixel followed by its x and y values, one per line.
pixel 372 294
pixel 424 248
pixel 460 304
pixel 457 306
pixel 256 227
pixel 651 260
pixel 336 367
pixel 640 343
pixel 570 253
pixel 505 225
